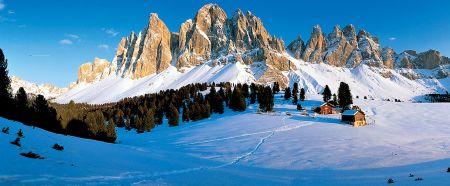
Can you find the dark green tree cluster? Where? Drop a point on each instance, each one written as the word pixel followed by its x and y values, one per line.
pixel 237 101
pixel 265 98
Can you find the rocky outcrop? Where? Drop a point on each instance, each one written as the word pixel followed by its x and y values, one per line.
pixel 91 72
pixel 147 53
pixel 388 55
pixel 339 49
pixel 315 46
pixel 296 47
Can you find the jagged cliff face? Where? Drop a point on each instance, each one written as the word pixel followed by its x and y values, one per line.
pixel 212 36
pixel 148 52
pixel 91 72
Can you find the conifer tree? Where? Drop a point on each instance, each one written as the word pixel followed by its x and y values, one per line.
pixel 5 87
pixel 344 95
pixel 295 89
pixel 294 99
pixel 287 93
pixel 173 116
pixel 276 87
pixel 111 131
pixel 245 91
pixel 265 99
pixel 185 115
pixel 326 93
pixel 21 101
pixel 302 94
pixel 253 93
pixel 237 101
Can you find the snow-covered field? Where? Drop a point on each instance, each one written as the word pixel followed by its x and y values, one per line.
pixel 248 149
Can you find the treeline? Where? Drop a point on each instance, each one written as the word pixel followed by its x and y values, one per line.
pixel 189 103
pixel 37 111
pixel 343 99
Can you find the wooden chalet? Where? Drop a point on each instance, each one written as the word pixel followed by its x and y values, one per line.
pixel 326 108
pixel 356 118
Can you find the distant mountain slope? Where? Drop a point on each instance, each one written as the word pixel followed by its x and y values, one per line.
pixel 212 40
pixel 47 90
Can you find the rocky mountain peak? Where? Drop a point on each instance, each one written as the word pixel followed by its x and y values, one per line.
pixel 211 36
pixel 90 72
pixel 314 48
pixel 297 46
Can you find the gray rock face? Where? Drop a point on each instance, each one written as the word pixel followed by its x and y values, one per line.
pixel 296 47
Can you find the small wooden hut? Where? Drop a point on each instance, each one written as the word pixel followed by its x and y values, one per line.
pixel 326 108
pixel 356 118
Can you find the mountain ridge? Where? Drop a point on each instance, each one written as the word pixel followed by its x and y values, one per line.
pixel 215 39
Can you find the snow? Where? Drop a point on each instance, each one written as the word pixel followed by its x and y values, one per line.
pixel 115 88
pixel 363 81
pixel 48 91
pixel 247 148
pixel 350 112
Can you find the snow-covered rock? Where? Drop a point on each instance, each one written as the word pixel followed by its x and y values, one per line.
pixel 47 90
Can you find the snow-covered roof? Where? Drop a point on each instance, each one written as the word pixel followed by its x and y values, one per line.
pixel 327 103
pixel 350 112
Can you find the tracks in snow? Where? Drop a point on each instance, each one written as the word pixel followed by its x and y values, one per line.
pixel 236 160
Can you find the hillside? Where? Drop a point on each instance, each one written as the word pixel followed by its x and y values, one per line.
pixel 363 80
pixel 259 149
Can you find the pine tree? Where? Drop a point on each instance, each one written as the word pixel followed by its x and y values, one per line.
pixel 276 87
pixel 295 89
pixel 237 101
pixel 149 119
pixel 326 93
pixel 287 93
pixel 245 91
pixel 302 94
pixel 173 116
pixel 253 93
pixel 335 100
pixel 294 99
pixel 5 87
pixel 21 101
pixel 265 99
pixel 344 95
pixel 119 118
pixel 111 131
pixel 185 115
pixel 218 105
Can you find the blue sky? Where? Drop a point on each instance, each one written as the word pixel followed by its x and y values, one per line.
pixel 46 40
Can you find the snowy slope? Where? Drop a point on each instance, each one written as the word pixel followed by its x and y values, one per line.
pixel 48 91
pixel 114 88
pixel 363 81
pixel 259 149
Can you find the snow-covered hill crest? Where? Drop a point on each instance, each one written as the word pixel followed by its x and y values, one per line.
pixel 47 90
